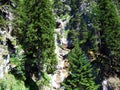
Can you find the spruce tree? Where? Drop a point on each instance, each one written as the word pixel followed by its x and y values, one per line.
pixel 35 29
pixel 83 24
pixel 75 21
pixel 81 77
pixel 110 35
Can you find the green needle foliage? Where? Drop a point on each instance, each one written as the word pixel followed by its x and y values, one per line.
pixel 35 29
pixel 9 82
pixel 42 24
pixel 110 25
pixel 81 77
pixel 110 34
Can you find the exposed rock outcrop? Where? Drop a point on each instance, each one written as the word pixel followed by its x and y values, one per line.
pixel 4 54
pixel 61 51
pixel 5 35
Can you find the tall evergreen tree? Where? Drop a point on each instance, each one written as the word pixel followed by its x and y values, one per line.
pixel 75 21
pixel 81 77
pixel 84 23
pixel 110 35
pixel 35 30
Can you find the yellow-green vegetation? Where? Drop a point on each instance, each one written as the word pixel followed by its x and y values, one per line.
pixel 44 81
pixel 1 62
pixel 66 16
pixel 9 82
pixel 66 33
pixel 17 63
pixel 1 38
pixel 2 21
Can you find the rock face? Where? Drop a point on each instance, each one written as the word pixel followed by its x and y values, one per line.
pixel 5 37
pixel 111 83
pixel 114 83
pixel 61 51
pixel 4 54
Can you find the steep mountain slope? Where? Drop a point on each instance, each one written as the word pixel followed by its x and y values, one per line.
pixel 37 36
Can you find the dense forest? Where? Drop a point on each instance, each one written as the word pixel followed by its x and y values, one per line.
pixel 59 44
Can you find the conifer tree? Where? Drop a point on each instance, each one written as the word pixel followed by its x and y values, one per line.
pixel 110 35
pixel 83 24
pixel 75 21
pixel 35 29
pixel 94 30
pixel 81 77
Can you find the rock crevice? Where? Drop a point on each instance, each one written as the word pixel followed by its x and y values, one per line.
pixel 61 51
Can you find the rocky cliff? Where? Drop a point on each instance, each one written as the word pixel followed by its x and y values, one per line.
pixel 7 42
